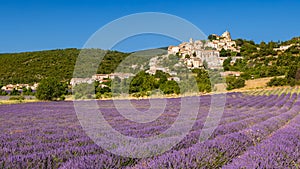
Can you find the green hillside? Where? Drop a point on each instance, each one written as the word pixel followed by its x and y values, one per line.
pixel 30 67
pixel 263 60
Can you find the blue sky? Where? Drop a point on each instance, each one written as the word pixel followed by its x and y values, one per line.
pixel 50 24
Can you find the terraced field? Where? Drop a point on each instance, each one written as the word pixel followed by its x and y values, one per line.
pixel 257 130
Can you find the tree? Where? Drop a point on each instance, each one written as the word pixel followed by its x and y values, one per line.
pixel 142 82
pixel 14 92
pixel 212 37
pixel 262 45
pixel 203 80
pixel 226 64
pixel 51 89
pixel 223 53
pixel 170 87
pixel 84 91
pixel 205 64
pixel 3 93
pixel 277 82
pixel 26 91
pixel 297 76
pixel 234 82
pixel 233 53
pixel 194 54
pixel 187 56
pixel 291 74
pixel 239 42
pixel 162 76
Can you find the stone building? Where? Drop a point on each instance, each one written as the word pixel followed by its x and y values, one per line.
pixel 223 41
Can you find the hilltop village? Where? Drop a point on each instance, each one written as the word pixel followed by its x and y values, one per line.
pixel 196 53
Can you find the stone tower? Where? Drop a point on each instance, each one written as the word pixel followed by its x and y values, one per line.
pixel 226 35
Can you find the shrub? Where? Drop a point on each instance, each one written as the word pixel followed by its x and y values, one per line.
pixel 277 82
pixel 17 98
pixel 234 82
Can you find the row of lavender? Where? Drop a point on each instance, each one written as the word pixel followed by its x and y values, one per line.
pixel 223 149
pixel 48 135
pixel 281 150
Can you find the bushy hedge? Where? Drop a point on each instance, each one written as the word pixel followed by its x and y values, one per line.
pixel 234 82
pixel 277 82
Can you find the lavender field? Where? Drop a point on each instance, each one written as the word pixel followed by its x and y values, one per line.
pixel 257 130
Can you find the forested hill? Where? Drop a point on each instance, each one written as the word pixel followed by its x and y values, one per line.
pixel 30 67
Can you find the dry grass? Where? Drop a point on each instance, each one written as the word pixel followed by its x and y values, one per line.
pixel 257 83
pixel 17 101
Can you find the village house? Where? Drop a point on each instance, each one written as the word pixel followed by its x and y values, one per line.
pixel 19 87
pixel 283 48
pixel 120 75
pixel 176 79
pixel 153 70
pixel 76 81
pixel 230 73
pixel 100 78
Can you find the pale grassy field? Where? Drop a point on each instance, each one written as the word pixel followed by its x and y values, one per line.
pixel 17 101
pixel 257 83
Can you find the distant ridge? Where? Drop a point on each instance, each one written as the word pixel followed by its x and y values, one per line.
pixel 30 67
